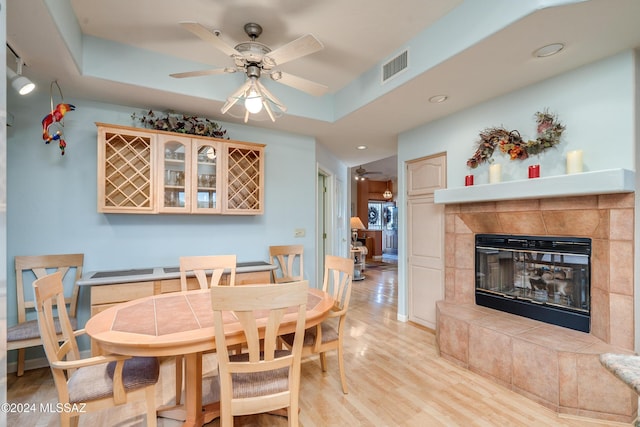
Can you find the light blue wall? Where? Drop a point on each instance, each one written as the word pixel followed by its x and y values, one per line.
pixel 595 102
pixel 53 204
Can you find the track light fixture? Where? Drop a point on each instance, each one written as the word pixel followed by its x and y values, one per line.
pixel 19 82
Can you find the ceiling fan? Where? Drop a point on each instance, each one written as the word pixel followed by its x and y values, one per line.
pixel 256 59
pixel 361 173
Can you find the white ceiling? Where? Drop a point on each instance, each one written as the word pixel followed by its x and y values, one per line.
pixel 358 36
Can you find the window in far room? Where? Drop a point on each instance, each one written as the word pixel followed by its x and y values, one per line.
pixel 376 210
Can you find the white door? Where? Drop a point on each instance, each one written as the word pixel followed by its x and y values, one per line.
pixel 425 239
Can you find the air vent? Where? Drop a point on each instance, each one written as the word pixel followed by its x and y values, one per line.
pixel 395 66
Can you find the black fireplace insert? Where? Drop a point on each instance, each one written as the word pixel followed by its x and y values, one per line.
pixel 539 277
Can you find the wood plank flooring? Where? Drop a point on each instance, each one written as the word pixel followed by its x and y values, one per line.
pixel 395 379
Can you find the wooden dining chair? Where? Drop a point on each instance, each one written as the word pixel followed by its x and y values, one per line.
pixel 94 383
pixel 265 378
pixel 289 262
pixel 329 335
pixel 25 334
pixel 208 271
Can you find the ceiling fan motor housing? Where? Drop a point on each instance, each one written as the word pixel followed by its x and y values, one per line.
pixel 253 70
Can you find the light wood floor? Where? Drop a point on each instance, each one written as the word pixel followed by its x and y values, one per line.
pixel 395 379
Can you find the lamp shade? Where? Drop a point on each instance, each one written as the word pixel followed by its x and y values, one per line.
pixel 356 223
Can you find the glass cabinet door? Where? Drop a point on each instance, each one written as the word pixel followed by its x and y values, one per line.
pixel 175 181
pixel 205 193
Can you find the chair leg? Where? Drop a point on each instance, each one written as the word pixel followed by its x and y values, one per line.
pixel 21 353
pixel 323 361
pixel 152 418
pixel 179 370
pixel 68 420
pixel 292 414
pixel 343 376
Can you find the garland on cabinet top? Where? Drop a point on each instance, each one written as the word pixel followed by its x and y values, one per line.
pixel 510 142
pixel 181 123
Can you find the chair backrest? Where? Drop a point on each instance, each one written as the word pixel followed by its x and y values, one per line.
pixel 338 277
pixel 289 260
pixel 260 310
pixel 43 265
pixel 49 295
pixel 212 266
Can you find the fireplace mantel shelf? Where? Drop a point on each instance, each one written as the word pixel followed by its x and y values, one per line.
pixel 580 184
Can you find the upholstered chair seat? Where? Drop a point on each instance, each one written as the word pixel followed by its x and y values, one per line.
pixel 96 382
pixel 29 329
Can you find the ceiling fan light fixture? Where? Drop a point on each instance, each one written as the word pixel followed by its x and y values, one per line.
pixel 253 102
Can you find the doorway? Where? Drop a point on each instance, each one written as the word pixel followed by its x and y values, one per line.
pixel 331 225
pixel 321 224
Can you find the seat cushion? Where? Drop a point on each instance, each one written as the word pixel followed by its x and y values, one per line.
pixel 96 382
pixel 329 333
pixel 29 330
pixel 254 384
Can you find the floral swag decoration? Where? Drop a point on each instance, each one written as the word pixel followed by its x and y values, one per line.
pixel 510 142
pixel 181 123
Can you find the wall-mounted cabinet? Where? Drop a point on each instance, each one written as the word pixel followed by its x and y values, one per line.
pixel 148 171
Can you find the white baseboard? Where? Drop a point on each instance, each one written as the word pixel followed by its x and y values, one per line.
pixel 403 318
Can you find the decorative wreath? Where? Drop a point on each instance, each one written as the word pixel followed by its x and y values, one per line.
pixel 373 215
pixel 510 142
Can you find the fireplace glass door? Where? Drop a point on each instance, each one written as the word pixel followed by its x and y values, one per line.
pixel 543 271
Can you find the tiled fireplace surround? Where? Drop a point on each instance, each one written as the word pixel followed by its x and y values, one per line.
pixel 554 366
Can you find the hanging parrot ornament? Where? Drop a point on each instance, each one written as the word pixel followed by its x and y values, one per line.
pixel 55 117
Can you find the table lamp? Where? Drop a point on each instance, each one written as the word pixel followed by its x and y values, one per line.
pixel 356 224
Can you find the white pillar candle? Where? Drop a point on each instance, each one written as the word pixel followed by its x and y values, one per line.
pixel 495 173
pixel 574 161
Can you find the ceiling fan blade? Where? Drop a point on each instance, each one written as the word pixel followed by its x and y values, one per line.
pixel 201 73
pixel 299 83
pixel 208 36
pixel 298 48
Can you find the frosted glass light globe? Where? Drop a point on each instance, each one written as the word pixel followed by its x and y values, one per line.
pixel 253 103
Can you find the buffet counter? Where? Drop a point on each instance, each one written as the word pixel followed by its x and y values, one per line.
pixel 109 288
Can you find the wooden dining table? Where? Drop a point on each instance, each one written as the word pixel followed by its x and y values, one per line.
pixel 181 323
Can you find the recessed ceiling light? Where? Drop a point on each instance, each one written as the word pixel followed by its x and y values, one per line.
pixel 361 147
pixel 437 99
pixel 548 50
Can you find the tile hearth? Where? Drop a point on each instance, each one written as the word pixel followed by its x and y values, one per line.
pixel 555 366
